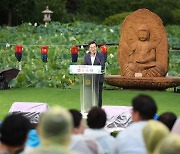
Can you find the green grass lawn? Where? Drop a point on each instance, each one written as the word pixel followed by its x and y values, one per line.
pixel 70 98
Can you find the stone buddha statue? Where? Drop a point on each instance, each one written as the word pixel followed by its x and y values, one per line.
pixel 143 54
pixel 139 51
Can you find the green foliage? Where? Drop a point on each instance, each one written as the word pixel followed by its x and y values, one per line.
pixel 176 16
pixel 60 37
pixel 167 18
pixel 15 12
pixel 112 66
pixel 174 64
pixel 26 10
pixel 173 35
pixel 162 8
pixel 116 19
pixel 99 10
pixel 95 8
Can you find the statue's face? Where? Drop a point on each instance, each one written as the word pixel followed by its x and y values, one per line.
pixel 92 48
pixel 143 35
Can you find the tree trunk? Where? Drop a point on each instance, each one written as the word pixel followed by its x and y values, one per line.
pixel 10 17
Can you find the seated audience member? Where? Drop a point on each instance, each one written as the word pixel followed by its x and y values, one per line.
pixel 13 134
pixel 153 133
pixel 96 120
pixel 55 128
pixel 169 145
pixel 168 118
pixel 130 140
pixel 176 127
pixel 78 141
pixel 33 140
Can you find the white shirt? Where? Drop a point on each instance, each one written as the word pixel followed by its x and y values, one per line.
pixel 79 145
pixel 92 59
pixel 130 140
pixel 101 136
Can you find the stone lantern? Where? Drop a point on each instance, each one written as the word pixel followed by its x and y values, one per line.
pixel 47 15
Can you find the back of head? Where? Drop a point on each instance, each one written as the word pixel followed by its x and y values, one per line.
pixel 96 118
pixel 14 130
pixel 169 145
pixel 55 126
pixel 153 133
pixel 77 117
pixel 168 118
pixel 145 106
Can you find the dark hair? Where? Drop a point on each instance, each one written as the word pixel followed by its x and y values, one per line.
pixel 145 105
pixel 96 118
pixel 14 130
pixel 168 118
pixel 92 42
pixel 77 117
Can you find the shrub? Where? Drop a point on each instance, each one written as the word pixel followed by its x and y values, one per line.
pixel 116 19
pixel 176 16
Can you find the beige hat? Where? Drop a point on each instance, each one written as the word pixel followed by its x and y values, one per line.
pixel 169 145
pixel 153 133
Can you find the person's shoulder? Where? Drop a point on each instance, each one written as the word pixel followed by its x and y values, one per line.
pixel 87 54
pixel 99 53
pixel 137 126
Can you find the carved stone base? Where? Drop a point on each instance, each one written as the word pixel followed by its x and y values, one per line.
pixel 149 83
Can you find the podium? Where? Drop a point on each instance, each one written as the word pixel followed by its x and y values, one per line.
pixel 89 85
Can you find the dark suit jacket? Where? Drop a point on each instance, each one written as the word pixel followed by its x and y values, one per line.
pixel 99 60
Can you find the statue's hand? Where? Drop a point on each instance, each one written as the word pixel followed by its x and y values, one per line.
pixel 133 67
pixel 141 61
pixel 138 61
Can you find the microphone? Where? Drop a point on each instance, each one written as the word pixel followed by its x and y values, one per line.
pixel 98 59
pixel 102 70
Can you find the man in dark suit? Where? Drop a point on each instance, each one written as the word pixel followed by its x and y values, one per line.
pixel 93 57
